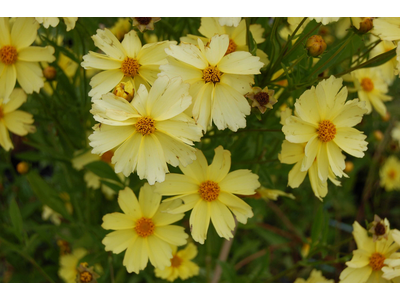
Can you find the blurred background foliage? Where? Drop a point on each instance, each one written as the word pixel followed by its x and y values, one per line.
pixel 284 240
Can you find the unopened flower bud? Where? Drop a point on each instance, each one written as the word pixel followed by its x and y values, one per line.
pixel 366 25
pixel 378 135
pixel 349 167
pixel 124 90
pixel 49 73
pixel 386 117
pixel 22 167
pixel 315 45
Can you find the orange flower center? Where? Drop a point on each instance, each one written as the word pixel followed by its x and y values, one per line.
pixel 209 190
pixel 145 125
pixel 130 67
pixel 143 20
pixel 262 98
pixel 231 48
pixel 176 261
pixel 85 277
pixel 376 261
pixel 211 74
pixel 392 174
pixel 8 55
pixel 326 131
pixel 106 157
pixel 144 227
pixel 367 84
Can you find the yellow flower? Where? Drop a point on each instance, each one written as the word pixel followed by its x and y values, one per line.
pixel 372 89
pixel 324 120
pixel 391 270
pixel 120 28
pixel 16 121
pixel 149 132
pixel 369 258
pixel 315 277
pixel 262 98
pixel 218 81
pixel 231 21
pixel 145 23
pixel 181 264
pixel 390 174
pixel 69 263
pixel 237 36
pixel 143 230
pixel 53 22
pixel 123 61
pixel 209 190
pixel 18 60
pixel 388 29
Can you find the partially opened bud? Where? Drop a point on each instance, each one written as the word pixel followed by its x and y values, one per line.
pixel 22 167
pixel 124 90
pixel 315 45
pixel 49 73
pixel 366 25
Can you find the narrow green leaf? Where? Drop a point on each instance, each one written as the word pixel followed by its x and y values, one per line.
pixel 103 170
pixel 16 218
pixel 317 226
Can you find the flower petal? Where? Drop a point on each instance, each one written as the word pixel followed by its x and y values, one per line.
pixel 239 208
pixel 197 170
pixel 5 140
pixel 106 137
pixel 177 184
pixel 127 155
pixel 351 141
pixel 216 49
pixel 29 76
pixel 160 252
pixel 99 61
pixel 242 182
pixel 8 78
pixel 199 221
pixel 220 166
pixel 104 82
pixel 17 120
pixel 129 204
pixel 297 130
pixel 109 44
pixel 132 44
pixel 241 83
pixel 4 32
pixel 154 53
pixel 149 200
pixel 24 32
pixel 16 99
pixel 172 234
pixel 117 241
pixel 222 219
pixel 136 256
pixel 240 62
pixel 37 54
pixel 189 54
pixel 117 221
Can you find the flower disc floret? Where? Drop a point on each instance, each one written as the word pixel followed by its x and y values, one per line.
pixel 8 55
pixel 143 20
pixel 326 131
pixel 376 261
pixel 145 125
pixel 231 48
pixel 176 261
pixel 209 190
pixel 212 74
pixel 262 98
pixel 130 67
pixel 367 84
pixel 85 277
pixel 144 227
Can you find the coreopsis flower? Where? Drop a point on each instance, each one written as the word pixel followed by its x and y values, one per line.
pixel 86 274
pixel 325 20
pixel 11 119
pixel 121 27
pixel 369 258
pixel 123 61
pixel 148 132
pixel 218 81
pixel 209 190
pixel 69 263
pixel 372 89
pixel 387 28
pixel 18 60
pixel 237 36
pixel 143 230
pixel 324 121
pixel 315 277
pixel 379 228
pixel 145 23
pixel 53 22
pixel 262 98
pixel 181 264
pixel 231 21
pixel 390 174
pixel 391 269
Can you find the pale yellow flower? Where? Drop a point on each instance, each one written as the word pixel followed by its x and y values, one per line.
pixel 372 89
pixel 387 28
pixel 324 121
pixel 143 230
pixel 237 36
pixel 11 119
pixel 148 132
pixel 69 264
pixel 218 81
pixel 53 22
pixel 369 258
pixel 181 264
pixel 121 27
pixel 390 174
pixel 391 270
pixel 315 277
pixel 18 60
pixel 231 21
pixel 123 61
pixel 209 190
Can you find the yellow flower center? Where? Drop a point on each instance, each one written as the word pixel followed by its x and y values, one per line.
pixel 326 131
pixel 130 67
pixel 145 125
pixel 8 55
pixel 376 261
pixel 211 74
pixel 209 190
pixel 231 48
pixel 367 84
pixel 176 261
pixel 106 157
pixel 143 21
pixel 144 227
pixel 85 277
pixel 262 98
pixel 392 174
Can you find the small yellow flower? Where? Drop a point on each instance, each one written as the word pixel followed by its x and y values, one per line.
pixel 390 174
pixel 209 191
pixel 11 119
pixel 69 263
pixel 121 27
pixel 181 264
pixel 391 270
pixel 315 277
pixel 53 22
pixel 143 230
